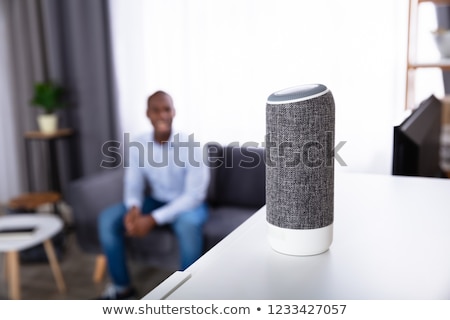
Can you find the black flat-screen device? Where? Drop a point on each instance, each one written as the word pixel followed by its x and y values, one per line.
pixel 416 141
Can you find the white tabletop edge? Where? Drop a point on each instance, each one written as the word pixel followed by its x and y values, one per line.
pixel 168 286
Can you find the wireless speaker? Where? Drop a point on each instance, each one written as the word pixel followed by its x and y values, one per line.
pixel 300 129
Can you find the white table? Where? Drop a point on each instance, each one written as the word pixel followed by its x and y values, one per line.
pixel 46 226
pixel 391 241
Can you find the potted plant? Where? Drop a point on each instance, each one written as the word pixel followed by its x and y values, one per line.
pixel 49 97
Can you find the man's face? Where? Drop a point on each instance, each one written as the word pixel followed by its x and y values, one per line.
pixel 161 112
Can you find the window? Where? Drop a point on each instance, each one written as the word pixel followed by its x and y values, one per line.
pixel 221 59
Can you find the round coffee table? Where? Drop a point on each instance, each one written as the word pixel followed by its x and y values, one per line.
pixel 45 227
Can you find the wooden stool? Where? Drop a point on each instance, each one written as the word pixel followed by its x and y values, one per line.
pixel 29 202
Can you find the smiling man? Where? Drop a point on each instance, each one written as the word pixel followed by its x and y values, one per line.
pixel 178 191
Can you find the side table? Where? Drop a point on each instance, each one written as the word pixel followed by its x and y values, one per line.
pixel 46 226
pixel 50 140
pixel 29 202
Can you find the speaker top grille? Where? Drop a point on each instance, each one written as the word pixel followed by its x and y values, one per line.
pixel 297 93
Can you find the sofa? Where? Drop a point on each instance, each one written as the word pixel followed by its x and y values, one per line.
pixel 236 191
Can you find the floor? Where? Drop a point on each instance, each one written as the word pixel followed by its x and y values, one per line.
pixel 37 282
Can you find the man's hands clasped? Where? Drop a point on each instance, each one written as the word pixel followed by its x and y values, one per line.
pixel 138 224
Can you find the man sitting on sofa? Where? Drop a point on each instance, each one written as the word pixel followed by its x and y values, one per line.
pixel 178 178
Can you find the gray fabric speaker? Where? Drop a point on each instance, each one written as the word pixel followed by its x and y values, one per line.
pixel 300 169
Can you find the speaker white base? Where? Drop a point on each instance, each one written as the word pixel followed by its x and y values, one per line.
pixel 297 242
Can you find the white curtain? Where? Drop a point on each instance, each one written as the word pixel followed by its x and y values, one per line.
pixel 10 177
pixel 221 59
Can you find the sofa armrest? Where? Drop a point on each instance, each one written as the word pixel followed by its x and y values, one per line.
pixel 90 195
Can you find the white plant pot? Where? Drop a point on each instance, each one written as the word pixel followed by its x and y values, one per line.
pixel 47 123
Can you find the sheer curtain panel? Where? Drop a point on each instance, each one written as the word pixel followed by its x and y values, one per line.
pixel 11 178
pixel 222 59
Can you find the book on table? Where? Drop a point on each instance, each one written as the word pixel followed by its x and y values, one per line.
pixel 16 233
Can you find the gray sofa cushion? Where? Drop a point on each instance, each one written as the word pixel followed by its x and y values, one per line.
pixel 90 195
pixel 223 220
pixel 159 247
pixel 236 191
pixel 240 181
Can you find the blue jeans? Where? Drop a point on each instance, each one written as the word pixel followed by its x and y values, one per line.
pixel 187 227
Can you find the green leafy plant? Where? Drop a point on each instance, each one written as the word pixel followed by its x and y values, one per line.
pixel 47 96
